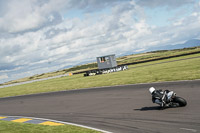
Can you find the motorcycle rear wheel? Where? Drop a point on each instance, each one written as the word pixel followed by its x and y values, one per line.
pixel 182 102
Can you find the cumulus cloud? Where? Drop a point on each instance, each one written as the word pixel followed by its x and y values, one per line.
pixel 21 16
pixel 3 76
pixel 168 3
pixel 38 39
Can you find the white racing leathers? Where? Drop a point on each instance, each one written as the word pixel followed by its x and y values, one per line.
pixel 162 97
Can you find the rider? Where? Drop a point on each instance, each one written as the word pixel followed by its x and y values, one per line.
pixel 160 97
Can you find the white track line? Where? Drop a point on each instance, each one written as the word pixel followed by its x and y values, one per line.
pixel 192 130
pixel 68 123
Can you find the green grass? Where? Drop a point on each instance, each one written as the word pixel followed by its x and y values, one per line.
pixel 13 127
pixel 179 70
pixel 156 55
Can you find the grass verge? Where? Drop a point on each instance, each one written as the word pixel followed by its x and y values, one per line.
pixel 13 127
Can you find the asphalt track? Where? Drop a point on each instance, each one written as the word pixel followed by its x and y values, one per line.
pixel 118 109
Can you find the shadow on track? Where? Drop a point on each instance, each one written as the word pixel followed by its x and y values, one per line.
pixel 149 108
pixel 154 108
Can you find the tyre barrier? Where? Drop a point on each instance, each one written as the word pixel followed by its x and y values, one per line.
pixel 105 71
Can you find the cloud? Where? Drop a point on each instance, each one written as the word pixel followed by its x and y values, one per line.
pixel 159 3
pixel 38 39
pixel 28 15
pixel 3 76
pixel 31 15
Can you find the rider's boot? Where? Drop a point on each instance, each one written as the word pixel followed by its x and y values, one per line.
pixel 164 100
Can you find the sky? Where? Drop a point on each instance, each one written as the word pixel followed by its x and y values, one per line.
pixel 39 36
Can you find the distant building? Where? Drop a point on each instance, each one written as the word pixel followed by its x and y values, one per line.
pixel 108 61
pixel 106 64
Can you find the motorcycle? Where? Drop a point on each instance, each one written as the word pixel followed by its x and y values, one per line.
pixel 167 98
pixel 175 101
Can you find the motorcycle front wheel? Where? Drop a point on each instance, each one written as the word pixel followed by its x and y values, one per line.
pixel 182 102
